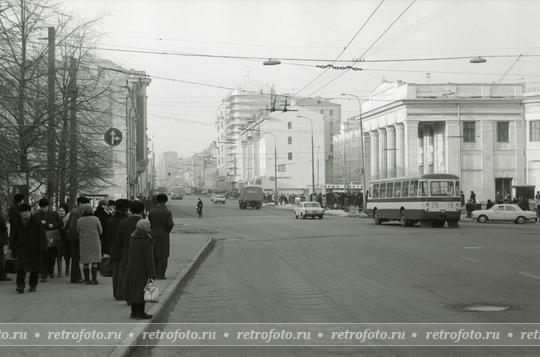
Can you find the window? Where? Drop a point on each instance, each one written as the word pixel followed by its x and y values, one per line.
pixel 289 125
pixel 535 130
pixel 390 189
pixel 331 125
pixel 509 208
pixel 405 189
pixel 423 188
pixel 290 140
pixel 331 112
pixel 469 131
pixel 290 156
pixel 382 190
pixel 397 189
pixel 414 189
pixel 442 188
pixel 502 131
pixel 375 190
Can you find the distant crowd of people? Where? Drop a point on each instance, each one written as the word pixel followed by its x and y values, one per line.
pixel 521 202
pixel 138 246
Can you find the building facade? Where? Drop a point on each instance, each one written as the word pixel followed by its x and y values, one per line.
pixel 487 134
pixel 281 142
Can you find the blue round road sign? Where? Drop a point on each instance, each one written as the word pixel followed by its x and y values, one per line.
pixel 113 137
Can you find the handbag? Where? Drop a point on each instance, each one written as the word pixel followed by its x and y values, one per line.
pixel 105 267
pixel 53 238
pixel 151 291
pixel 10 265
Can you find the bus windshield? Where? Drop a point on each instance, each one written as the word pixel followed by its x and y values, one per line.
pixel 441 188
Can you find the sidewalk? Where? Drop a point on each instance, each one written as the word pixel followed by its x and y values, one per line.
pixel 59 302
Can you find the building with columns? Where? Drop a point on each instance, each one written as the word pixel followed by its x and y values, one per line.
pixel 487 134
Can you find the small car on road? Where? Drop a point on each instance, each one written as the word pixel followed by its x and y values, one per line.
pixel 219 199
pixel 309 209
pixel 504 212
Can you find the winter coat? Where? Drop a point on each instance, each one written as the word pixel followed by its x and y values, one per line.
pixel 74 216
pixel 140 266
pixel 161 223
pixel 123 237
pixel 104 217
pixel 50 217
pixel 112 228
pixel 28 242
pixel 89 230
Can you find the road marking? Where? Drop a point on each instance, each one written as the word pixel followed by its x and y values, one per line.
pixel 473 247
pixel 532 276
pixel 472 260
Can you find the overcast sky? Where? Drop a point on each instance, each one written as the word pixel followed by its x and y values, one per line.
pixel 304 34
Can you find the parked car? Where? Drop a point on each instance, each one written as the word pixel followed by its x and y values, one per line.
pixel 503 212
pixel 219 199
pixel 309 209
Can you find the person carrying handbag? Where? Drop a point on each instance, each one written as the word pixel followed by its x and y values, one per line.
pixel 140 268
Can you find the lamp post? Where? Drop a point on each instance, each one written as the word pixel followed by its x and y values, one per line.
pixel 364 195
pixel 275 168
pixel 312 156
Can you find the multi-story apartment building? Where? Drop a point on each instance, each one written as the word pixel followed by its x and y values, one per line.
pixel 487 134
pixel 282 142
pixel 248 104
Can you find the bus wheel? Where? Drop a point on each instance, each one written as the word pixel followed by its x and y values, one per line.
pixel 376 218
pixel 404 221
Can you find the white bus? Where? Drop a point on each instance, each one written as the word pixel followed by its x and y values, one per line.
pixel 431 199
pixel 177 193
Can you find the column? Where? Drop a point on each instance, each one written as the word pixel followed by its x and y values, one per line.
pixel 382 154
pixel 411 147
pixel 374 145
pixel 400 151
pixel 391 151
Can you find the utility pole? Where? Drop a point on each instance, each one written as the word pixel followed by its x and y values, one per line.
pixel 73 170
pixel 51 156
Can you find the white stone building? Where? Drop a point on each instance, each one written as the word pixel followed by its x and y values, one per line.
pixel 487 134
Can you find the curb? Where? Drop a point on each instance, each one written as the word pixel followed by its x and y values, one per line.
pixel 124 348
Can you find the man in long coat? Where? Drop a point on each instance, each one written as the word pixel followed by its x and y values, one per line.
pixel 29 241
pixel 161 223
pixel 73 237
pixel 116 252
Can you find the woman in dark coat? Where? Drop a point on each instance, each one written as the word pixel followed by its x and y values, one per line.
pixel 28 242
pixel 140 268
pixel 63 212
pixel 51 221
pixel 115 249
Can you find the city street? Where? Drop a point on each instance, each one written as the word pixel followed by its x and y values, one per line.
pixel 268 267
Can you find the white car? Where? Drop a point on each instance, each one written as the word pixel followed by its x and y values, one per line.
pixel 309 209
pixel 219 199
pixel 503 212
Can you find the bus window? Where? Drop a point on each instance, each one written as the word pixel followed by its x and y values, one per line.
pixel 390 190
pixel 423 189
pixel 414 189
pixel 442 188
pixel 457 189
pixel 405 189
pixel 397 189
pixel 382 190
pixel 375 190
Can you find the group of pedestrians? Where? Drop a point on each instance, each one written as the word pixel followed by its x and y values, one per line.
pixel 138 248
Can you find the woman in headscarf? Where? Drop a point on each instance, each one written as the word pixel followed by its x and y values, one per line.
pixel 90 230
pixel 140 268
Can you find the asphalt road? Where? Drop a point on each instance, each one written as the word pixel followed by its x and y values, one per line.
pixel 269 268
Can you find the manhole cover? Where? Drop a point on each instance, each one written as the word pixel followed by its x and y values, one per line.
pixel 487 308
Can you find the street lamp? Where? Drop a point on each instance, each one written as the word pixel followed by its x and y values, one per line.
pixel 275 168
pixel 364 195
pixel 312 157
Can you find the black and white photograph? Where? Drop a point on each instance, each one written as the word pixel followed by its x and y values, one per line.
pixel 269 178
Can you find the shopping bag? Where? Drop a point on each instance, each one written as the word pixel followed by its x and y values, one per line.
pixel 151 292
pixel 53 238
pixel 105 268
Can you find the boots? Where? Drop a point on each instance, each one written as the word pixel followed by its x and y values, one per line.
pixel 94 276
pixel 67 266
pixel 59 262
pixel 87 276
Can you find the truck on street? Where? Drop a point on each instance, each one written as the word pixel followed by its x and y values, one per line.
pixel 250 196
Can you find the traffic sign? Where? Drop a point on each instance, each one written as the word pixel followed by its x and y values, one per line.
pixel 113 136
